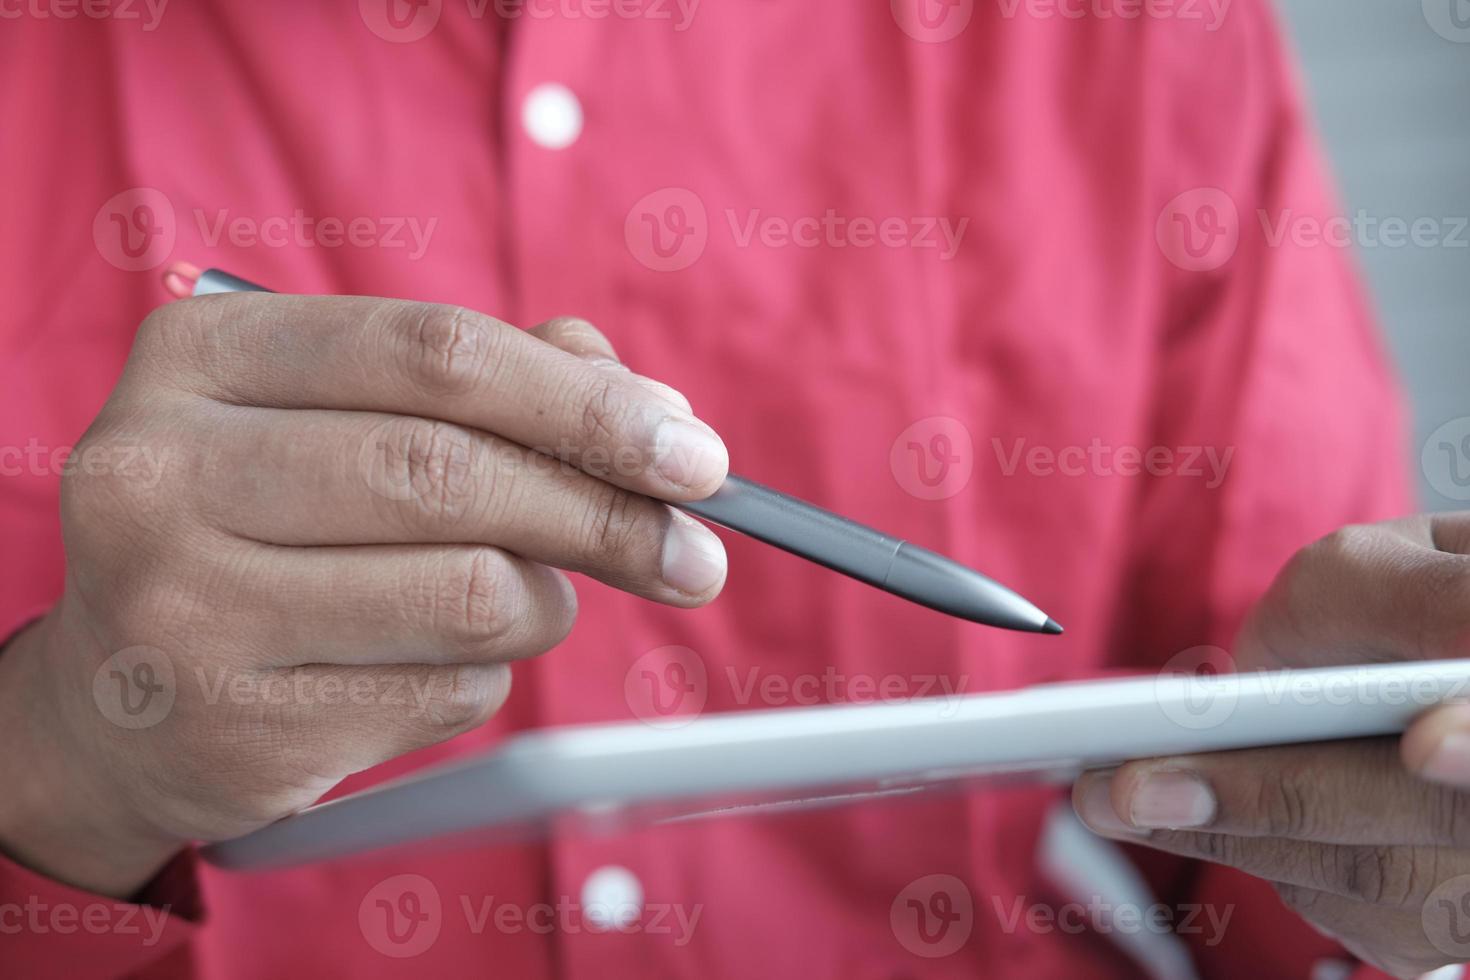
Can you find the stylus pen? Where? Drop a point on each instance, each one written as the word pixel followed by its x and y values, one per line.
pixel 818 535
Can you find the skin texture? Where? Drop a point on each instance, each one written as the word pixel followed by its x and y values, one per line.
pixel 1368 840
pixel 354 519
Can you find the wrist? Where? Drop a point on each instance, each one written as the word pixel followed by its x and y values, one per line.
pixel 59 815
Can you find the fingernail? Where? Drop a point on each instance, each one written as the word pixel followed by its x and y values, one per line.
pixel 694 558
pixel 663 392
pixel 1170 801
pixel 1450 763
pixel 690 456
pixel 1096 807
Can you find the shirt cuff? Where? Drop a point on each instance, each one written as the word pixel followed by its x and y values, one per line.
pixel 51 930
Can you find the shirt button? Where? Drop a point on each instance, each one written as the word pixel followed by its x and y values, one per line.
pixel 612 898
pixel 552 116
pixel 1332 970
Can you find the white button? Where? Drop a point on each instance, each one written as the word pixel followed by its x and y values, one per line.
pixel 1332 970
pixel 552 116
pixel 612 898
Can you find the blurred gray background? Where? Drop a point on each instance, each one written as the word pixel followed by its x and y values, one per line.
pixel 1390 82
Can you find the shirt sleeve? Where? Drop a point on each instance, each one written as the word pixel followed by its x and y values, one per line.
pixel 1269 354
pixel 50 930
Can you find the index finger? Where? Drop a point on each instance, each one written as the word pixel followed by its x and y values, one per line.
pixel 438 362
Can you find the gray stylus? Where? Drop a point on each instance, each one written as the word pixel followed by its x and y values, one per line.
pixel 818 535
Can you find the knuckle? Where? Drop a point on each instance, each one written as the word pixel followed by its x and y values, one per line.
pixel 1284 803
pixel 612 527
pixel 1452 816
pixel 435 463
pixel 1371 874
pixel 474 607
pixel 1303 901
pixel 464 698
pixel 603 408
pixel 575 336
pixel 1350 542
pixel 447 348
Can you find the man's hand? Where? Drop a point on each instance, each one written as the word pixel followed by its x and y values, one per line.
pixel 1369 840
pixel 319 531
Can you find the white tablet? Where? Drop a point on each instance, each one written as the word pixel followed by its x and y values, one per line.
pixel 610 776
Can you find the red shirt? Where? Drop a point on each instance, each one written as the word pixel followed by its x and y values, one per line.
pixel 928 266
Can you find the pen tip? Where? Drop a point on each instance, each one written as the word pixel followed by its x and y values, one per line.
pixel 1052 626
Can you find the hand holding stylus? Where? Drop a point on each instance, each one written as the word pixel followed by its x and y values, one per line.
pixel 345 540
